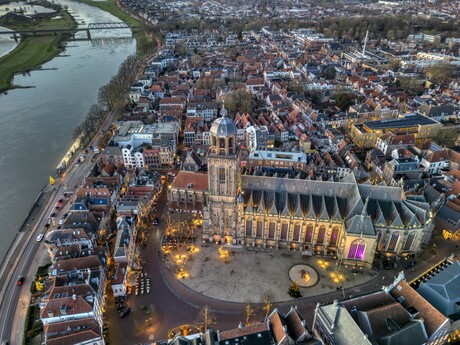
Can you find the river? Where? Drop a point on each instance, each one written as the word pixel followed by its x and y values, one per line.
pixel 36 124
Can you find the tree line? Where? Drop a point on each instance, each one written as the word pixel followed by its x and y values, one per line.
pixel 109 95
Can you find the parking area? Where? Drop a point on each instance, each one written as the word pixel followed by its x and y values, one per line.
pixel 142 284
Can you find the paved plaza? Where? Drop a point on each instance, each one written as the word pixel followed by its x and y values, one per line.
pixel 248 274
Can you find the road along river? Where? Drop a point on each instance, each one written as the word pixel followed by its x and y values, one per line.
pixel 36 123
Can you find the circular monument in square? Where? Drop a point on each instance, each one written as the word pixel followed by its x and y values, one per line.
pixel 303 275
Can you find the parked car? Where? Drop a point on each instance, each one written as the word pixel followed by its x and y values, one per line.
pixel 156 221
pixel 20 280
pixel 61 221
pixel 124 312
pixel 40 237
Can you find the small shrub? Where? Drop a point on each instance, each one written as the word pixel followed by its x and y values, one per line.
pixel 294 290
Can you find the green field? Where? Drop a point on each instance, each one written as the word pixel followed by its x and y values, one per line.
pixel 33 51
pixel 142 39
pixel 29 54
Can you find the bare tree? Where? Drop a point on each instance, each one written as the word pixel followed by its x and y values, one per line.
pixel 267 304
pixel 249 311
pixel 205 319
pixel 106 96
pixel 98 112
pixel 77 132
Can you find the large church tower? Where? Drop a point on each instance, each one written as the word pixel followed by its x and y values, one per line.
pixel 220 217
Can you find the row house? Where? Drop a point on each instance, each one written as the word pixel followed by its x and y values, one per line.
pixel 171 103
pixel 206 110
pixel 435 162
pixel 57 240
pixel 393 315
pixel 389 142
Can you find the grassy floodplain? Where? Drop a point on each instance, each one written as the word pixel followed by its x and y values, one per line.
pixel 142 39
pixel 33 51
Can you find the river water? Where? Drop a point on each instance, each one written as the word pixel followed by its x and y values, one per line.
pixel 36 124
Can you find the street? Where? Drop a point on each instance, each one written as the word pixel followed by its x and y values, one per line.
pixel 15 299
pixel 174 304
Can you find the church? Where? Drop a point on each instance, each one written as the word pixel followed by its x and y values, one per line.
pixel 282 208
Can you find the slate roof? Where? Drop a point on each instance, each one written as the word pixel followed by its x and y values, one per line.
pixel 443 290
pixel 343 200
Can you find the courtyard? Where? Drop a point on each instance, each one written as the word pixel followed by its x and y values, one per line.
pixel 248 274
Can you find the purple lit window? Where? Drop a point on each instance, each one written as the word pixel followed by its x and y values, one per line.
pixel 296 232
pixel 357 249
pixel 321 234
pixel 309 234
pixel 334 236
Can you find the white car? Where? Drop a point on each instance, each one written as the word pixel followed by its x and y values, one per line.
pixel 39 237
pixel 61 221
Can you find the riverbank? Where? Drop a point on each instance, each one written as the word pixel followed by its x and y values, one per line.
pixel 143 41
pixel 33 51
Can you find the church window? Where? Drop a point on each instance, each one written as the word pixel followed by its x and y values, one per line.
pixel 309 234
pixel 357 249
pixel 284 231
pixel 221 175
pixel 271 230
pixel 393 242
pixel 379 236
pixel 249 227
pixel 334 236
pixel 321 234
pixel 296 236
pixel 260 227
pixel 222 143
pixel 410 241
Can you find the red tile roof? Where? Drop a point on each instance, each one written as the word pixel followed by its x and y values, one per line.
pixel 198 181
pixel 239 332
pixel 432 317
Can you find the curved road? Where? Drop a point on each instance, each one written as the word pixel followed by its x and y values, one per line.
pixel 175 304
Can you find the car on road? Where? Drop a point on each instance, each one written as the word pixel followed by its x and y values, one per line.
pixel 156 221
pixel 40 237
pixel 20 280
pixel 124 312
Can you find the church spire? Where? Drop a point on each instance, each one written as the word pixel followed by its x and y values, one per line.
pixel 223 111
